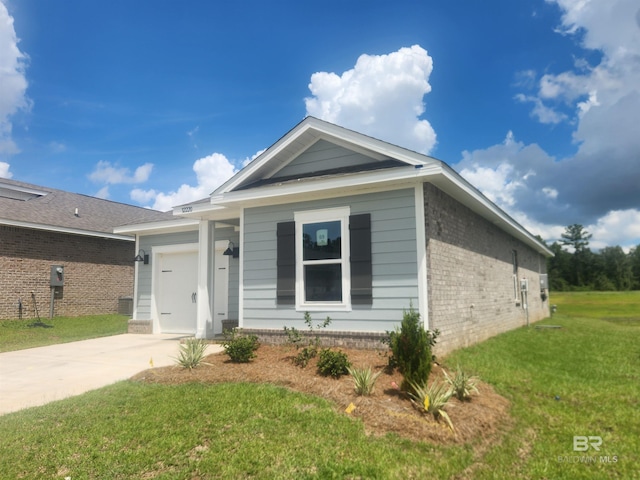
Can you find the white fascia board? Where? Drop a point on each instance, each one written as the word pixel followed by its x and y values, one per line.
pixel 192 209
pixel 167 226
pixel 261 160
pixel 70 231
pixel 378 180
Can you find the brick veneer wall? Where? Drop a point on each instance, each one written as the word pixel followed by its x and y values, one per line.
pixel 97 271
pixel 470 274
pixel 362 340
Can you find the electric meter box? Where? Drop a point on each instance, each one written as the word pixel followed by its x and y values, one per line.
pixel 57 276
pixel 544 281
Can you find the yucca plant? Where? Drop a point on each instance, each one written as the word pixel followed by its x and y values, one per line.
pixel 462 384
pixel 432 399
pixel 363 380
pixel 191 352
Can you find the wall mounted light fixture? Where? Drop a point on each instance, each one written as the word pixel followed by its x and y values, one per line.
pixel 232 250
pixel 142 257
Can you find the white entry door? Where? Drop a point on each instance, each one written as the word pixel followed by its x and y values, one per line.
pixel 177 292
pixel 220 288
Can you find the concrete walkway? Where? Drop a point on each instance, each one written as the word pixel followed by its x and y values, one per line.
pixel 36 376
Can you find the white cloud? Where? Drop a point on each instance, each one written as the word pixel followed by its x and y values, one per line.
pixel 143 196
pixel 4 170
pixel 57 147
pixel 105 172
pixel 103 192
pixel 598 185
pixel 497 184
pixel 13 83
pixel 381 96
pixel 211 172
pixel 618 227
pixel 543 113
pixel 550 192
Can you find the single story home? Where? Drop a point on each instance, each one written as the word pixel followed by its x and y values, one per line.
pixel 59 255
pixel 339 224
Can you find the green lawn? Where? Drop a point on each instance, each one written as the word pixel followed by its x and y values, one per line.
pixel 20 334
pixel 579 380
pixel 619 307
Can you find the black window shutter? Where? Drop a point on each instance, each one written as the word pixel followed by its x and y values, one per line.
pixel 286 284
pixel 360 247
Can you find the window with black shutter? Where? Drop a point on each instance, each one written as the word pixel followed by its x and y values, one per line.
pixel 286 263
pixel 324 260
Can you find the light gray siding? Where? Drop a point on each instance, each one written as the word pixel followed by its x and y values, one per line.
pixel 394 263
pixel 146 243
pixel 321 156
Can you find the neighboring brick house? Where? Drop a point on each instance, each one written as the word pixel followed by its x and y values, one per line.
pixel 339 224
pixel 43 227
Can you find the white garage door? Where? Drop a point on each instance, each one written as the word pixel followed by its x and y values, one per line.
pixel 177 290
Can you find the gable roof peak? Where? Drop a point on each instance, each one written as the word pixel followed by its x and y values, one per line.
pixel 305 134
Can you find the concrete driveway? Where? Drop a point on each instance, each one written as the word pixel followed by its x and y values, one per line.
pixel 36 376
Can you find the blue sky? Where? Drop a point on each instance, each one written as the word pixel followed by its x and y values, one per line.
pixel 156 103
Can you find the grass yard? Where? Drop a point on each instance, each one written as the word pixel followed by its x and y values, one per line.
pixel 617 307
pixel 29 333
pixel 579 380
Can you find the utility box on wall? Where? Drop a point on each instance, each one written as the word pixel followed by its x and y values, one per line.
pixel 544 281
pixel 57 276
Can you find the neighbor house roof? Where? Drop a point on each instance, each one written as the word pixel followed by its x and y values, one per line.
pixel 42 208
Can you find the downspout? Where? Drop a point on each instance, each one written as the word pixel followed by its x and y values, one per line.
pixel 421 250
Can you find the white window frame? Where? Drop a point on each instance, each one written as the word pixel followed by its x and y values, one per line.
pixel 340 214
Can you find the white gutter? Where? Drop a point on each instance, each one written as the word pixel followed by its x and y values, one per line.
pixel 71 231
pixel 165 226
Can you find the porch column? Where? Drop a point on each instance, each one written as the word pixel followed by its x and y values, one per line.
pixel 204 325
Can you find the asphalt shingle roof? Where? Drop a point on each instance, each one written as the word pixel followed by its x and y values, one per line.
pixel 57 208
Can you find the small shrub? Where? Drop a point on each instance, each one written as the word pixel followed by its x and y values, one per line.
pixel 411 348
pixel 333 363
pixel 191 352
pixel 462 385
pixel 240 348
pixel 432 399
pixel 363 380
pixel 304 355
pixel 307 343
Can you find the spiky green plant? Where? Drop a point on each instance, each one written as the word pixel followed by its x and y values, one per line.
pixel 191 352
pixel 462 385
pixel 432 399
pixel 363 380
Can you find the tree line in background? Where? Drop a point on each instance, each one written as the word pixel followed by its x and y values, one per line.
pixel 576 267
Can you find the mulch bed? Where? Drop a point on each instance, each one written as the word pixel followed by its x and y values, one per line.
pixel 388 410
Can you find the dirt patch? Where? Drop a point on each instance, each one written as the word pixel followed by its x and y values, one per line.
pixel 479 421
